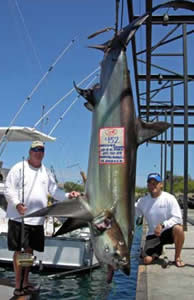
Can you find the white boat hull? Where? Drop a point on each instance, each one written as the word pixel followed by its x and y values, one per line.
pixel 59 253
pixel 71 251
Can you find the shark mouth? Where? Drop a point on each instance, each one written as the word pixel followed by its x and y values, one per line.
pixel 102 222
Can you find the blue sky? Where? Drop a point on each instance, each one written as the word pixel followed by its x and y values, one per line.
pixel 33 34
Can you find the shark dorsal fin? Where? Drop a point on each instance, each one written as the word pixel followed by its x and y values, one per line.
pixel 148 130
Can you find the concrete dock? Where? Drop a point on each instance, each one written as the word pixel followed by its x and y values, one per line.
pixel 6 292
pixel 6 289
pixel 154 282
pixel 158 283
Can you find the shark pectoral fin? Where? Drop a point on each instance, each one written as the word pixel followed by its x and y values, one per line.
pixel 87 94
pixel 148 130
pixel 76 208
pixel 69 225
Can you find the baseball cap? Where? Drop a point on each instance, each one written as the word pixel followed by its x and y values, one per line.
pixel 37 144
pixel 155 176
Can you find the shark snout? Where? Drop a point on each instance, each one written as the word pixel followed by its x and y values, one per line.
pixel 117 259
pixel 122 262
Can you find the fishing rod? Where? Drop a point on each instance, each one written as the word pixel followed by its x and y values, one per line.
pixel 71 272
pixel 69 107
pixel 28 98
pixel 64 97
pixel 23 259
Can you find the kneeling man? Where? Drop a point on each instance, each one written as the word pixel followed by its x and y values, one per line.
pixel 163 215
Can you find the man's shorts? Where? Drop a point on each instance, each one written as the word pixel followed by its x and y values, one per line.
pixel 33 236
pixel 154 244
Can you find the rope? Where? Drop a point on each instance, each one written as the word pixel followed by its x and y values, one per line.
pixel 122 10
pixel 116 16
pixel 28 34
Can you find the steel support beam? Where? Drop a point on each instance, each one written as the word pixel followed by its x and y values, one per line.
pixel 179 19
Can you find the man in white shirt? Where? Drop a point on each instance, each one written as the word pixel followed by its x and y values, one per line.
pixel 26 189
pixel 163 215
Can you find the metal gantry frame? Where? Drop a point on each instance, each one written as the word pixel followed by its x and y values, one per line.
pixel 150 105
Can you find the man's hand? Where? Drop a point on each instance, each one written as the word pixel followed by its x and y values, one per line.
pixel 74 194
pixel 158 230
pixel 21 208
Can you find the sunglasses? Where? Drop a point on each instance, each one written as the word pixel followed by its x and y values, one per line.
pixel 37 149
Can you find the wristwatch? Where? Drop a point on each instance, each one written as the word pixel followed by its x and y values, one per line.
pixel 162 226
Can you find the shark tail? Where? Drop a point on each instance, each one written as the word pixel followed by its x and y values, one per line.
pixel 126 34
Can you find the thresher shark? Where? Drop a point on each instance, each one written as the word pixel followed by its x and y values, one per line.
pixel 107 205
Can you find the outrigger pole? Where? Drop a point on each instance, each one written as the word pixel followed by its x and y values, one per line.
pixel 28 98
pixel 64 97
pixel 69 107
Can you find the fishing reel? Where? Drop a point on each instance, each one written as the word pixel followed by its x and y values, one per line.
pixel 26 259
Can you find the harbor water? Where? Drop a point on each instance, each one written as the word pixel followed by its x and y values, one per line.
pixel 90 286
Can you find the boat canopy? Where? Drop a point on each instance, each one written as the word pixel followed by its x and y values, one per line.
pixel 19 134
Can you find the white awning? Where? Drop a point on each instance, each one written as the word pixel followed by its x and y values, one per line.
pixel 19 134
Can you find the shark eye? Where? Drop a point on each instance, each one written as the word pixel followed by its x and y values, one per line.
pixel 121 243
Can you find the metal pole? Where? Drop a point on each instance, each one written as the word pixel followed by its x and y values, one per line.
pixel 165 153
pixel 161 157
pixel 185 70
pixel 172 141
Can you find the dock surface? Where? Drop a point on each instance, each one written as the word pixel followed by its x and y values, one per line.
pixel 7 289
pixel 158 283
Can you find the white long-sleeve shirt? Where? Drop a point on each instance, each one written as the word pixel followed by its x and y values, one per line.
pixel 37 185
pixel 161 210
